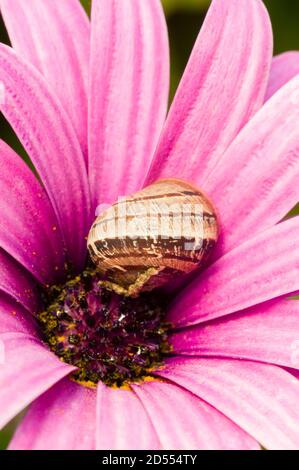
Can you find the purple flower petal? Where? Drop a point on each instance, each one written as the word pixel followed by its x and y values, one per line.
pixel 184 421
pixel 257 180
pixel 261 269
pixel 29 370
pixel 266 333
pixel 29 230
pixel 122 421
pixel 17 283
pixel 284 67
pixel 295 373
pixel 44 129
pixel 261 399
pixel 128 94
pixel 54 36
pixel 14 318
pixel 223 86
pixel 61 419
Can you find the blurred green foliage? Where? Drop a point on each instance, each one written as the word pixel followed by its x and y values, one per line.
pixel 184 18
pixel 171 6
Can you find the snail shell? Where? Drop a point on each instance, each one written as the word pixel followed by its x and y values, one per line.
pixel 146 240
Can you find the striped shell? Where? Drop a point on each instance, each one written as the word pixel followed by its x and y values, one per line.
pixel 146 240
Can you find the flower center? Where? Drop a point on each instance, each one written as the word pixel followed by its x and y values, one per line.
pixel 108 337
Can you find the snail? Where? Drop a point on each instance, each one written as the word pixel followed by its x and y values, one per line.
pixel 148 239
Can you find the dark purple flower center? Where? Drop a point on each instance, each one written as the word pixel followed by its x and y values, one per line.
pixel 109 338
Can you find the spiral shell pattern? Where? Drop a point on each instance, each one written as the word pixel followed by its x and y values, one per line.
pixel 161 232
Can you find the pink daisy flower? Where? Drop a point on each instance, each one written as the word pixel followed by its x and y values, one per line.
pixel 88 102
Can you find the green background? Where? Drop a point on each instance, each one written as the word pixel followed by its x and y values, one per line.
pixel 184 18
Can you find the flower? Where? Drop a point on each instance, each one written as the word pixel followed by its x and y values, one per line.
pixel 92 126
pixel 284 68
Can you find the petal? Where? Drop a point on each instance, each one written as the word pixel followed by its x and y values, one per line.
pixel 284 67
pixel 129 79
pixel 61 419
pixel 54 36
pixel 17 283
pixel 45 131
pixel 29 370
pixel 14 318
pixel 294 372
pixel 29 230
pixel 122 421
pixel 184 421
pixel 257 181
pixel 266 333
pixel 222 87
pixel 261 399
pixel 261 269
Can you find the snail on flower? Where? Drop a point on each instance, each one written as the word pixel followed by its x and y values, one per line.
pixel 149 239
